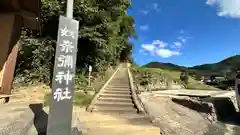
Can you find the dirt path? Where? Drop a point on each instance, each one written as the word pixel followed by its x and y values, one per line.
pixel 33 94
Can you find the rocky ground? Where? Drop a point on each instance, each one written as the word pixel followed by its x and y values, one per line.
pixel 175 119
pixel 33 94
pixel 172 118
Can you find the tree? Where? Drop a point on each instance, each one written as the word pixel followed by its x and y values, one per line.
pixel 104 32
pixel 184 77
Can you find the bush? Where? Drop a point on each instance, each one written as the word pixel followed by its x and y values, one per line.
pixel 184 77
pixel 80 99
pixel 47 99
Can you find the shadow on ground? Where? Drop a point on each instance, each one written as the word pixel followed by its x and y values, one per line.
pixel 228 119
pixel 41 119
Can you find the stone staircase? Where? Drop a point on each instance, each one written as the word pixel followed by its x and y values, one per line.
pixel 112 111
pixel 116 97
pixel 98 123
pixel 115 111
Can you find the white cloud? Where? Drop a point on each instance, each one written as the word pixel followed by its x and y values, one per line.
pixel 227 8
pixel 157 47
pixel 156 7
pixel 149 47
pixel 145 12
pixel 182 39
pixel 166 53
pixel 144 27
pixel 143 52
pixel 178 44
pixel 182 32
pixel 210 2
pixel 160 43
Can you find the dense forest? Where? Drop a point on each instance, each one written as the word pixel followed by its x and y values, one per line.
pixel 104 32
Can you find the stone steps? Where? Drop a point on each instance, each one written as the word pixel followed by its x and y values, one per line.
pixel 117 89
pixel 122 130
pixel 116 95
pixel 117 92
pixel 131 125
pixel 119 86
pixel 114 112
pixel 116 109
pixel 119 104
pixel 121 123
pixel 111 99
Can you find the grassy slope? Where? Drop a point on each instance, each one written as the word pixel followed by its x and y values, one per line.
pixel 193 84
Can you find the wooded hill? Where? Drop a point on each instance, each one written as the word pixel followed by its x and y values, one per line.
pixel 222 68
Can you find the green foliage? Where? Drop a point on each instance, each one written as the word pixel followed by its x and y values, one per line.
pixel 81 81
pixel 145 77
pixel 47 99
pixel 34 63
pixel 175 75
pixel 80 99
pixel 104 32
pixel 184 77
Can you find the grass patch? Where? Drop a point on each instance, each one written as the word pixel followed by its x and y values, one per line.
pixel 174 75
pixel 47 99
pixel 80 99
pixel 144 76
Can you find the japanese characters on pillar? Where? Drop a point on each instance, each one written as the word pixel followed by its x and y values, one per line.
pixel 60 115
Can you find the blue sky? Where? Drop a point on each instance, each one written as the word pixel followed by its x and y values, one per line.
pixel 185 32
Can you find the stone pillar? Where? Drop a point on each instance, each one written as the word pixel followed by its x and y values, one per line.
pixel 10 31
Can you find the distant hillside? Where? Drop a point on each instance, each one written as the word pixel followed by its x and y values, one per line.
pixel 221 68
pixel 168 66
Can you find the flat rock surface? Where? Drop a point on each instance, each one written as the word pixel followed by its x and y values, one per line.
pixel 10 112
pixel 174 119
pixel 193 92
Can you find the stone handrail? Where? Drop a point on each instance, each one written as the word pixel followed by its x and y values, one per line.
pixel 96 96
pixel 135 97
